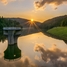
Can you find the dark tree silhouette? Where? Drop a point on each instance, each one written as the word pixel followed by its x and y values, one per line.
pixel 4 22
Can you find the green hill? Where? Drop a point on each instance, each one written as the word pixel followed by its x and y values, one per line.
pixel 24 22
pixel 60 32
pixel 60 21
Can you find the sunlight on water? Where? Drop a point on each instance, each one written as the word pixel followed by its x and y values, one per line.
pixel 3 46
pixel 40 38
pixel 27 44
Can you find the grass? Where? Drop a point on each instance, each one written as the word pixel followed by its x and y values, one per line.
pixel 60 32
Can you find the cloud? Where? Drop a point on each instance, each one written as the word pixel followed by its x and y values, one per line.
pixel 37 58
pixel 50 57
pixel 23 62
pixel 5 2
pixel 56 56
pixel 42 3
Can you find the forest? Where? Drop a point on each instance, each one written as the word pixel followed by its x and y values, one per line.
pixel 60 21
pixel 5 22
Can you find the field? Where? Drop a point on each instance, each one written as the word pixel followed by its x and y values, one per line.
pixel 60 32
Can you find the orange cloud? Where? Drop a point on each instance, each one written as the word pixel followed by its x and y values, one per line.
pixel 23 62
pixel 6 1
pixel 56 56
pixel 42 3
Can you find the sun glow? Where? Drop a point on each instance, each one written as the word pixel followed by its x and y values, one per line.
pixel 32 20
pixel 32 25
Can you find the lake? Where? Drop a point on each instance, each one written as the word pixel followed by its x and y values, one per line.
pixel 33 48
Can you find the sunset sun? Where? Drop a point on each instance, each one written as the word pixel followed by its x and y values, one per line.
pixel 32 20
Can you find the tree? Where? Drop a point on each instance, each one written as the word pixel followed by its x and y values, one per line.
pixel 64 22
pixel 4 22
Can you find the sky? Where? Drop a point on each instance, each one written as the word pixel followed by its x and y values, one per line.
pixel 39 10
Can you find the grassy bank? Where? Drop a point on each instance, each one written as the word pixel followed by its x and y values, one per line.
pixel 60 32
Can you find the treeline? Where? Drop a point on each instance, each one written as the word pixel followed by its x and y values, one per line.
pixel 64 22
pixel 5 22
pixel 55 22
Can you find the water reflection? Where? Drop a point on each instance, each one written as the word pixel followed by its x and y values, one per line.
pixel 27 44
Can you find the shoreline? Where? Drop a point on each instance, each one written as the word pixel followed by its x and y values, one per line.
pixel 53 36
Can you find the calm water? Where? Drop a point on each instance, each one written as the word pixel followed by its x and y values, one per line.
pixel 27 45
